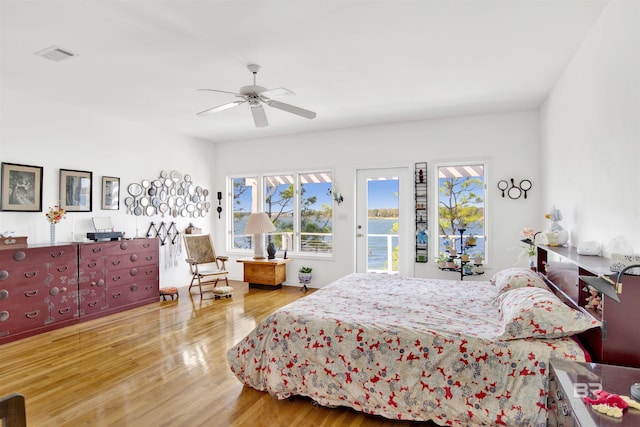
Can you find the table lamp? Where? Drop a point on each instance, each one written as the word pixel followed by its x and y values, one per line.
pixel 259 223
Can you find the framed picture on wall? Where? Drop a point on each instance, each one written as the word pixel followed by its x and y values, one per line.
pixel 21 188
pixel 110 193
pixel 75 190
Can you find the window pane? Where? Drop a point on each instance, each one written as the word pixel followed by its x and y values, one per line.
pixel 315 213
pixel 244 203
pixel 461 201
pixel 383 224
pixel 279 201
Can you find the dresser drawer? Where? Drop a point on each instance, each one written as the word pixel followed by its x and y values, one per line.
pixel 143 291
pixel 62 253
pixel 130 259
pixel 23 274
pixel 23 317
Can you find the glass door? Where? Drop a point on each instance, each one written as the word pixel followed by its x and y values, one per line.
pixel 382 225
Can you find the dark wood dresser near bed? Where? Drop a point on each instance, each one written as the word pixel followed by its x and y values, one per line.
pixel 618 341
pixel 570 381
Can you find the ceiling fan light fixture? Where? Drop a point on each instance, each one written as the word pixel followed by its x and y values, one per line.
pixel 256 95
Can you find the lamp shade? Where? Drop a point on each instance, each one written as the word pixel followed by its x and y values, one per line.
pixel 259 223
pixel 607 286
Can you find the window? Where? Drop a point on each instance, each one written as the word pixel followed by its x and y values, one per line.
pixel 461 200
pixel 299 204
pixel 244 201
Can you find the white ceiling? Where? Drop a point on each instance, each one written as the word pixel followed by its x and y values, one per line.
pixel 353 62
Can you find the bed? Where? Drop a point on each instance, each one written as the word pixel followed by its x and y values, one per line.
pixel 453 352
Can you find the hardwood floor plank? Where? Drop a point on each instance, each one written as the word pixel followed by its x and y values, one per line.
pixel 162 364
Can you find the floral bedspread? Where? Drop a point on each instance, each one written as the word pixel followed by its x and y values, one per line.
pixel 402 348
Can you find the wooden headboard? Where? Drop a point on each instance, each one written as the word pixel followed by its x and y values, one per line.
pixel 618 341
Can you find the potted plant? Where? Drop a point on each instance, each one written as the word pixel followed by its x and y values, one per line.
pixel 304 275
pixel 477 258
pixel 442 259
pixel 471 240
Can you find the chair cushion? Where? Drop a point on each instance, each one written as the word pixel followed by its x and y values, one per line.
pixel 222 290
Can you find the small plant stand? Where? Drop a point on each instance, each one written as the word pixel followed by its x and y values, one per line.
pixel 460 268
pixel 305 279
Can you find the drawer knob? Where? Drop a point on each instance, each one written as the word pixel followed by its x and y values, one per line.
pixel 124 246
pixel 19 256
pixel 133 257
pixel 4 294
pixel 4 315
pixel 32 314
pixel 4 274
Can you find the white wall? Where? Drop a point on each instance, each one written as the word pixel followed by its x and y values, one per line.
pixel 37 132
pixel 590 127
pixel 509 142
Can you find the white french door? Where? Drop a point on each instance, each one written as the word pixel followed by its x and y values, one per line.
pixel 383 221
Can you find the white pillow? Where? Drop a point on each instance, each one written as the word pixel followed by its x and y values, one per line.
pixel 538 313
pixel 515 278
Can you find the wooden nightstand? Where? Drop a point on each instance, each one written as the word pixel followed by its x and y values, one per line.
pixel 265 273
pixel 570 381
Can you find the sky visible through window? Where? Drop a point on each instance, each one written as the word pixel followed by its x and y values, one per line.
pixel 382 194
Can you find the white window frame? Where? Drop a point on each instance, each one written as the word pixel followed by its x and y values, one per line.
pixel 258 206
pixel 436 204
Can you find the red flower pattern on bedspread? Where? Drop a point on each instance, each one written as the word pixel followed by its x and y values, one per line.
pixel 402 348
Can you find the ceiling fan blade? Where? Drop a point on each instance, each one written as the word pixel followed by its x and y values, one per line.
pixel 292 109
pixel 222 91
pixel 220 108
pixel 259 116
pixel 276 93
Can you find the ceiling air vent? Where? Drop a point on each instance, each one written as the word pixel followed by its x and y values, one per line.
pixel 55 53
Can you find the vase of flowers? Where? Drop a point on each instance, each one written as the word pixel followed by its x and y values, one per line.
pixel 528 236
pixel 54 216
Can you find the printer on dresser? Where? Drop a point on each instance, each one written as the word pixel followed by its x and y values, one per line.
pixel 51 286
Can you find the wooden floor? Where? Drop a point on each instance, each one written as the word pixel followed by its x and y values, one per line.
pixel 162 364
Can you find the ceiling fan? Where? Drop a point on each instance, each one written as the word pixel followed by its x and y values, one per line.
pixel 255 96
